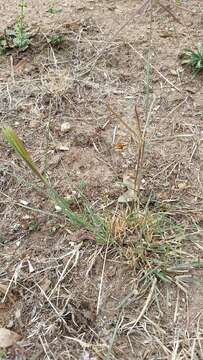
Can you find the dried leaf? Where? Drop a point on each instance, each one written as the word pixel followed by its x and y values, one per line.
pixel 65 127
pixel 8 338
pixel 18 313
pixel 118 226
pixel 31 268
pixel 120 146
pixel 3 288
pixel 183 186
pixel 21 65
pixel 55 159
pixel 17 271
pixel 129 182
pixel 45 285
pixel 62 147
pixel 128 196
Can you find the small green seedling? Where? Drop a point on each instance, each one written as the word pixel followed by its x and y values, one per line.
pixel 193 59
pixel 2 354
pixel 21 39
pixel 53 10
pixel 55 40
pixel 16 38
pixel 3 45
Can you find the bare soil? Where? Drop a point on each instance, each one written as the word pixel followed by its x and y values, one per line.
pixel 67 295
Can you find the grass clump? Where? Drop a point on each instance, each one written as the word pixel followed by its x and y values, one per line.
pixel 150 238
pixel 193 58
pixel 55 39
pixel 147 238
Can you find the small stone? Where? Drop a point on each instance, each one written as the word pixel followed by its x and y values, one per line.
pixel 8 338
pixel 58 208
pixel 65 127
pixel 10 324
pixel 173 72
pixel 62 147
pixel 34 123
pixel 24 202
pixel 190 90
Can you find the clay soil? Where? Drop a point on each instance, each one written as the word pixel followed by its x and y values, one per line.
pixel 68 295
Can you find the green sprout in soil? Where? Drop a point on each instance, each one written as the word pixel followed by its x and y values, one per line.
pixel 18 37
pixel 3 45
pixel 21 39
pixel 2 354
pixel 54 10
pixel 193 59
pixel 55 40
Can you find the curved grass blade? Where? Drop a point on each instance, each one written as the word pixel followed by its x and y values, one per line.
pixel 18 146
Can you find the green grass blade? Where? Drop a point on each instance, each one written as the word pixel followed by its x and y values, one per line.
pixel 18 146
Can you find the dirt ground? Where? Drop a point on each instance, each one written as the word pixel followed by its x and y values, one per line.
pixel 68 296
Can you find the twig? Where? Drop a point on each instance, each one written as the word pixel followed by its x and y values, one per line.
pixel 102 278
pixel 44 348
pixel 136 135
pixel 145 307
pixel 176 307
pixel 74 253
pixel 52 305
pixel 112 340
pixel 153 67
pixel 12 70
pixel 175 351
pixel 9 95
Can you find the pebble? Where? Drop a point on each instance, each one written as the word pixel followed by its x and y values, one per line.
pixel 65 127
pixel 58 208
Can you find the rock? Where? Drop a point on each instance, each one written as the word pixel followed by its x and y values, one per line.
pixel 65 127
pixel 8 338
pixel 58 208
